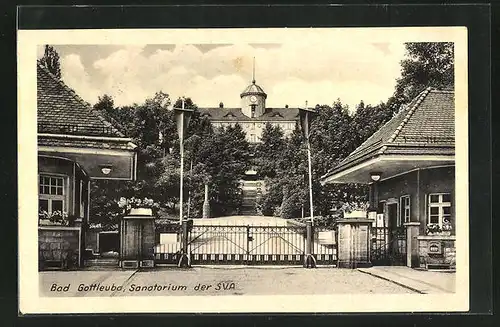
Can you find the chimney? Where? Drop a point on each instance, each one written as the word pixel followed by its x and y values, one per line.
pixel 221 105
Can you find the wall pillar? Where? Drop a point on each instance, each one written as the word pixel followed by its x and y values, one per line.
pixel 137 239
pixel 412 232
pixel 354 242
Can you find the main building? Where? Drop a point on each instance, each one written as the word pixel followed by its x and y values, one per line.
pixel 252 116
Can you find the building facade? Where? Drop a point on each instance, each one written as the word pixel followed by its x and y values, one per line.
pixel 75 145
pixel 253 115
pixel 409 164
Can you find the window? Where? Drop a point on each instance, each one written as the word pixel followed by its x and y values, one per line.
pixel 83 199
pixel 439 208
pixel 51 193
pixel 404 216
pixel 252 138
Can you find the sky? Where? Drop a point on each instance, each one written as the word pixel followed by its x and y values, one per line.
pixel 290 73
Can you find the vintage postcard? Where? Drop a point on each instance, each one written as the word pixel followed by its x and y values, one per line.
pixel 243 170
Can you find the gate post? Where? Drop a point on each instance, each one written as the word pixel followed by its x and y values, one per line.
pixel 309 260
pixel 412 231
pixel 354 242
pixel 185 260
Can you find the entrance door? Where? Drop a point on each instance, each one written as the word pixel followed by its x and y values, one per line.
pixel 109 242
pixel 397 237
pixel 392 212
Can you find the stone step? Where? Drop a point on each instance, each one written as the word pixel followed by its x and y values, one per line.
pixel 101 262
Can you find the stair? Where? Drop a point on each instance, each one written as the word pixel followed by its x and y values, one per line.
pixel 248 204
pixel 248 211
pixel 101 262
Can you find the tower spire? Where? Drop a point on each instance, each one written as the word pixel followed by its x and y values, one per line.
pixel 253 72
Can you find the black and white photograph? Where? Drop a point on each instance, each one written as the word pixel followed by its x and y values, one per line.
pixel 243 170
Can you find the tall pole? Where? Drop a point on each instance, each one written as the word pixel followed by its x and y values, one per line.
pixel 253 71
pixel 310 179
pixel 182 167
pixel 189 191
pixel 309 162
pixel 309 259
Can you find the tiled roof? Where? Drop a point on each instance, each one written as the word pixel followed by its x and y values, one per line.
pixel 253 89
pixel 112 144
pixel 61 111
pixel 235 114
pixel 425 126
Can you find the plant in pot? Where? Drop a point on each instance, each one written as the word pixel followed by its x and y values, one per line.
pixel 433 229
pixel 57 217
pixel 447 227
pixel 355 209
pixel 138 206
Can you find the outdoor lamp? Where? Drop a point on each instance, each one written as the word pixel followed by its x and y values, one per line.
pixel 375 176
pixel 106 169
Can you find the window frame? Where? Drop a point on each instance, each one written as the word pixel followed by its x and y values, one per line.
pixel 440 205
pixel 403 218
pixel 54 197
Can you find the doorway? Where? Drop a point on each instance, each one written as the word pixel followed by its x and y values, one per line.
pixel 397 236
pixel 109 243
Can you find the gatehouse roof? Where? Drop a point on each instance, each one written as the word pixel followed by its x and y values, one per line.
pixel 61 111
pixel 65 119
pixel 426 126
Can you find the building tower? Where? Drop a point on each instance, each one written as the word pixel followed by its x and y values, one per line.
pixel 253 99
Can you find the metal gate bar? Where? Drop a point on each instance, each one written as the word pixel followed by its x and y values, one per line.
pixel 387 249
pixel 250 245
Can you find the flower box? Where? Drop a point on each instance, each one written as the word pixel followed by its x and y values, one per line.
pixel 355 214
pixel 141 212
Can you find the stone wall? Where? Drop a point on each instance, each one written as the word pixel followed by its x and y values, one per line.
pixel 436 250
pixel 58 247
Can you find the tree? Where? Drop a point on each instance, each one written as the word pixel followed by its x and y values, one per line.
pixel 105 104
pixel 144 123
pixel 284 164
pixel 50 60
pixel 367 119
pixel 333 138
pixel 426 64
pixel 269 152
pixel 292 176
pixel 227 158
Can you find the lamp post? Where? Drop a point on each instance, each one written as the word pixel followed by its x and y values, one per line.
pixel 375 177
pixel 306 117
pixel 182 117
pixel 373 211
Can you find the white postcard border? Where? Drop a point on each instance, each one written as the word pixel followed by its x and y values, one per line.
pixel 31 302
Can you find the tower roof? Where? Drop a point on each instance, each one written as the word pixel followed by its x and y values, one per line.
pixel 253 89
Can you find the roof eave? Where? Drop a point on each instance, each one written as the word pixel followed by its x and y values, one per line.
pixel 390 165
